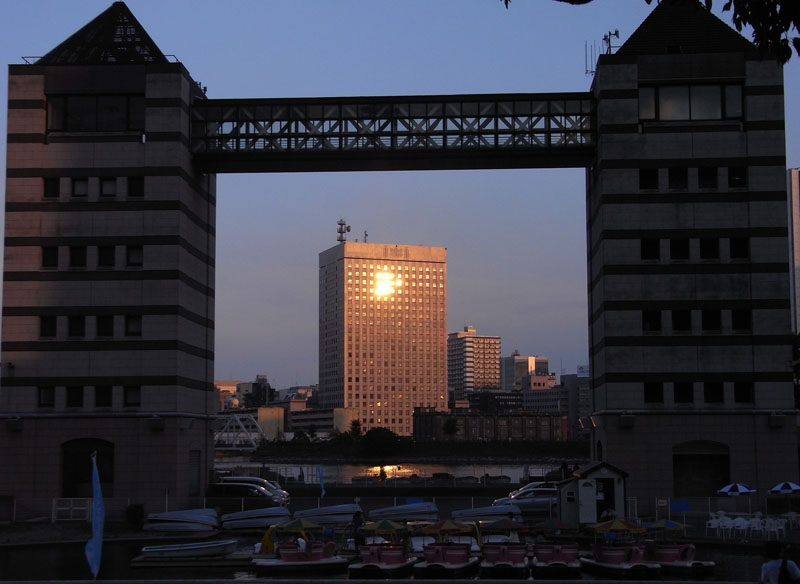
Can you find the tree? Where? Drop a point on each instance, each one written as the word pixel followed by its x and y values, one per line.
pixel 355 429
pixel 450 427
pixel 772 22
pixel 380 442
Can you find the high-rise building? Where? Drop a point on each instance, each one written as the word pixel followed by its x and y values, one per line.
pixel 793 181
pixel 516 368
pixel 383 331
pixel 473 362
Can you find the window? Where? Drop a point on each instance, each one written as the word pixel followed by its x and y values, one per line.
pixel 737 177
pixel 683 392
pixel 108 187
pixel 105 325
pixel 80 187
pixel 134 256
pixel 713 392
pixel 74 397
pixel 49 256
pixel 679 249
pixel 77 256
pixel 132 395
pixel 103 396
pixel 707 177
pixel 106 256
pixel 91 113
pixel 739 248
pixel 52 188
pixel 76 326
pixel 678 178
pixel 48 326
pixel 136 186
pixel 712 320
pixel 743 392
pixel 133 325
pixel 651 321
pixel 653 393
pixel 682 321
pixel 650 249
pixel 742 320
pixel 709 248
pixel 690 102
pixel 47 397
pixel 648 179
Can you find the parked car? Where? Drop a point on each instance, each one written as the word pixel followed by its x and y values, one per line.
pixel 271 486
pixel 534 502
pixel 529 486
pixel 230 497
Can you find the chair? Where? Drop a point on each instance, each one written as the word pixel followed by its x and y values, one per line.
pixel 726 526
pixel 713 524
pixel 756 525
pixel 774 527
pixel 741 527
pixel 791 518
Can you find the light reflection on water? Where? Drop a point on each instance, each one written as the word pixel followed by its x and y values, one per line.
pixel 67 562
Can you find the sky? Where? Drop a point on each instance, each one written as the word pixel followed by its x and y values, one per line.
pixel 515 238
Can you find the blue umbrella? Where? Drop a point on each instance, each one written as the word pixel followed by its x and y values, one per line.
pixel 785 488
pixel 735 489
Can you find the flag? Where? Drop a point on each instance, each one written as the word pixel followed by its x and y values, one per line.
pixel 94 547
pixel 321 477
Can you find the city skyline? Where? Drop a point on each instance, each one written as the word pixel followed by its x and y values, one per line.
pixel 515 239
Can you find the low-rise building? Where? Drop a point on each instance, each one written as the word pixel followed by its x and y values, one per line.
pixel 473 426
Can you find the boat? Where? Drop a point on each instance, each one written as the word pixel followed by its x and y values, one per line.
pixel 317 559
pixel 184 520
pixel 446 560
pixel 380 561
pixel 424 511
pixel 255 518
pixel 196 549
pixel 678 559
pixel 554 561
pixel 332 514
pixel 489 513
pixel 620 561
pixel 504 561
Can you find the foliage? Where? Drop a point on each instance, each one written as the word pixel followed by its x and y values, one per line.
pixel 355 429
pixel 772 22
pixel 301 437
pixel 450 427
pixel 380 442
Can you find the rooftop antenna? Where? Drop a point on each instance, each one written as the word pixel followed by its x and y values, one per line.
pixel 342 229
pixel 365 236
pixel 590 52
pixel 607 40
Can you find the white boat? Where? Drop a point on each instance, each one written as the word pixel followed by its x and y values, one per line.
pixel 488 513
pixel 332 514
pixel 620 561
pixel 381 561
pixel 185 520
pixel 317 558
pixel 504 561
pixel 194 549
pixel 446 560
pixel 412 512
pixel 255 518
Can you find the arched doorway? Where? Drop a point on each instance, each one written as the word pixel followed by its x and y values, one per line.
pixel 699 468
pixel 76 467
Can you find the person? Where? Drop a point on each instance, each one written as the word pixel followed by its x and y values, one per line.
pixel 356 524
pixel 301 544
pixel 776 562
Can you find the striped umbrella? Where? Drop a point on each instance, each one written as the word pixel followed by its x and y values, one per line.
pixel 617 526
pixel 735 489
pixel 785 488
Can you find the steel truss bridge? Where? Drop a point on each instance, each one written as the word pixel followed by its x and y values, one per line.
pixel 538 130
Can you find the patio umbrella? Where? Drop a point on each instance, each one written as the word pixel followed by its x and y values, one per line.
pixel 785 488
pixel 447 526
pixel 501 525
pixel 555 524
pixel 735 489
pixel 617 526
pixel 298 525
pixel 383 527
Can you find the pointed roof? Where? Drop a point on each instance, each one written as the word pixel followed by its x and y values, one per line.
pixel 683 27
pixel 113 37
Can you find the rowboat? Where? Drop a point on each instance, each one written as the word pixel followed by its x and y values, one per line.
pixel 195 549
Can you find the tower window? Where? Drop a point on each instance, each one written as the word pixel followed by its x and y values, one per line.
pixel 650 249
pixel 683 392
pixel 713 392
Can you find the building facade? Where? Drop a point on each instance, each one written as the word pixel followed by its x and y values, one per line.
pixel 793 183
pixel 383 331
pixel 430 425
pixel 516 369
pixel 689 301
pixel 108 298
pixel 473 362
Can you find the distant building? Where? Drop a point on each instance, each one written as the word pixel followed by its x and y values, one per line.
pixel 516 369
pixel 793 182
pixel 429 425
pixel 226 389
pixel 579 398
pixel 382 331
pixel 495 401
pixel 552 400
pixel 473 362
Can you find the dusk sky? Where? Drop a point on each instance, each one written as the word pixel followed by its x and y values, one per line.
pixel 515 239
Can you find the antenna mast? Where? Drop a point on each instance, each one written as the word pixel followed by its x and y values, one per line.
pixel 342 229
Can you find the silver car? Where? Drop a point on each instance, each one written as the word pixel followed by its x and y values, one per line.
pixel 280 496
pixel 534 502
